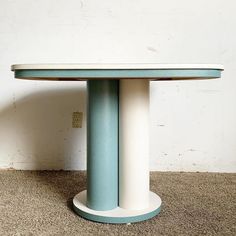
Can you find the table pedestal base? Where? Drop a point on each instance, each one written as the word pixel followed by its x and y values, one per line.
pixel 117 215
pixel 117 154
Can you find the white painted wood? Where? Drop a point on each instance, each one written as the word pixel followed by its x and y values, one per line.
pixel 134 144
pixel 154 202
pixel 114 66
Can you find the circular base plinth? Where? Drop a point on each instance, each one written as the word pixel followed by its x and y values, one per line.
pixel 117 215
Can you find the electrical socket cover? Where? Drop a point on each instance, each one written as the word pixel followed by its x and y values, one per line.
pixel 77 118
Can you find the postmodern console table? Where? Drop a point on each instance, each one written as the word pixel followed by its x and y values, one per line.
pixel 117 133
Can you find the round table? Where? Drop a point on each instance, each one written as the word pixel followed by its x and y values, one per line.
pixel 117 132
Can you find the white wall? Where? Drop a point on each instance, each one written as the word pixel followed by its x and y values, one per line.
pixel 193 123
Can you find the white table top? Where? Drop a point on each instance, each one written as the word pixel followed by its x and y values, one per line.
pixel 116 71
pixel 114 66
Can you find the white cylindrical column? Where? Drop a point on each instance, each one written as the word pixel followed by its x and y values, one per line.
pixel 134 144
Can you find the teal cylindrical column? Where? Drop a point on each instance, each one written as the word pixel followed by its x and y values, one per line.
pixel 102 144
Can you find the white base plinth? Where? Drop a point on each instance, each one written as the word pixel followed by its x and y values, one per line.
pixel 117 215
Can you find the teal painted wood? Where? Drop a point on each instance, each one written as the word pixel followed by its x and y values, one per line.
pixel 117 220
pixel 120 73
pixel 102 144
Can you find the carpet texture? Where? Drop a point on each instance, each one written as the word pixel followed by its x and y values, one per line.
pixel 40 203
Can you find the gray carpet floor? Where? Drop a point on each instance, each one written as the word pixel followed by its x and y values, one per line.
pixel 40 203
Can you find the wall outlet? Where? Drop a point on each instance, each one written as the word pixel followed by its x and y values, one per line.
pixel 77 118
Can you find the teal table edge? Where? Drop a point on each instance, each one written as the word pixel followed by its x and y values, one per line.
pixel 117 73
